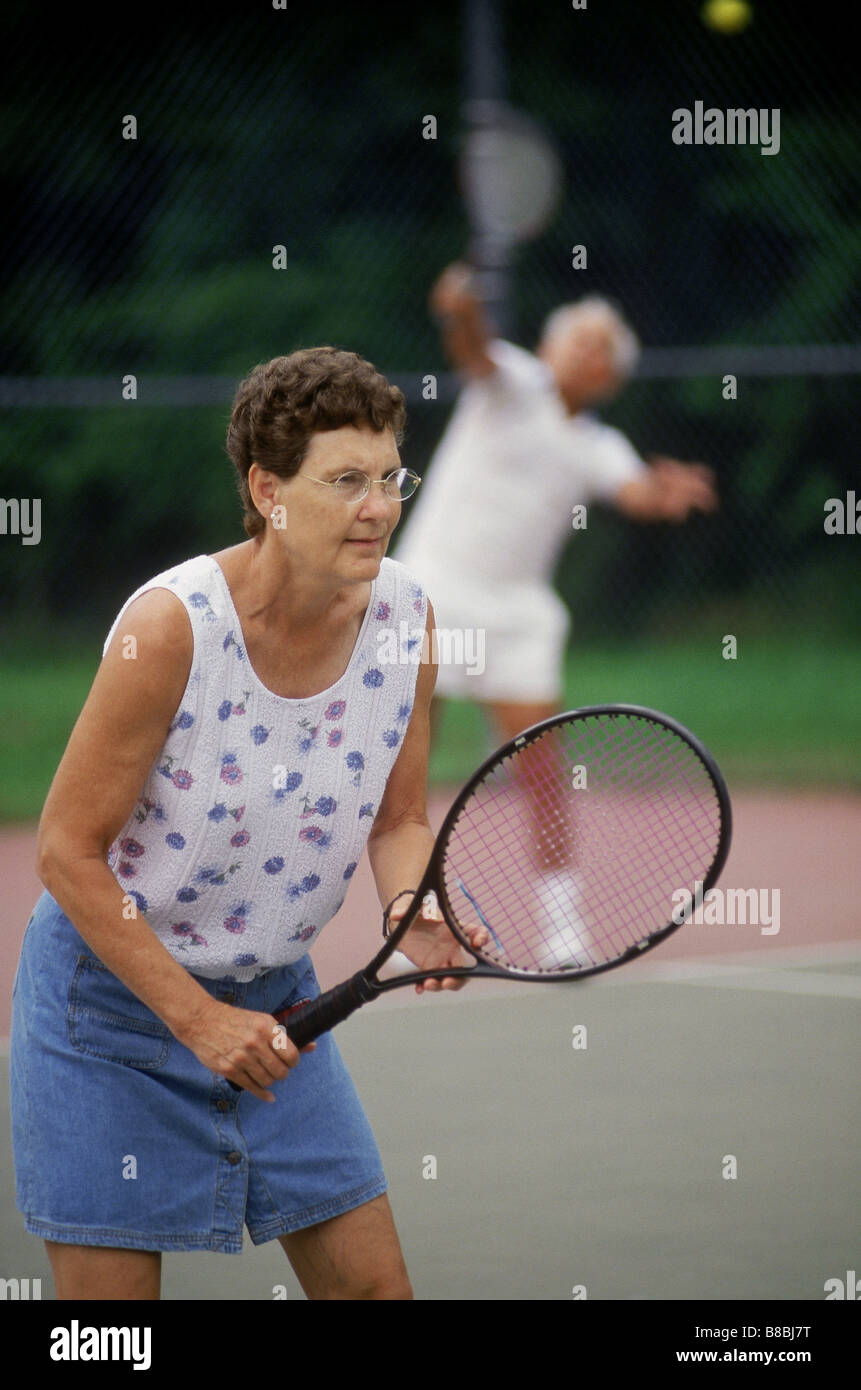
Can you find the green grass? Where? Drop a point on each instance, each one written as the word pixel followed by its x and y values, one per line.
pixel 782 714
pixel 39 703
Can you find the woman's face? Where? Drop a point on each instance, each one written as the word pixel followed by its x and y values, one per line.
pixel 340 540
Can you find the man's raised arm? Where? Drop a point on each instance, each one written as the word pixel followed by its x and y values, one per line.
pixel 459 312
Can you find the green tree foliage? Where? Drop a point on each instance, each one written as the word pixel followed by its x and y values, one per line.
pixel 261 128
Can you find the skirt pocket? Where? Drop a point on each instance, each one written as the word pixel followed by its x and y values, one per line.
pixel 106 1020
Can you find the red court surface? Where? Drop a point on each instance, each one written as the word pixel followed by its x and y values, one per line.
pixel 806 846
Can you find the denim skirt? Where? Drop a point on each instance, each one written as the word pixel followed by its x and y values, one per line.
pixel 123 1138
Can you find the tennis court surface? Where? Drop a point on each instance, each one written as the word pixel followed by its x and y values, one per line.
pixel 546 1139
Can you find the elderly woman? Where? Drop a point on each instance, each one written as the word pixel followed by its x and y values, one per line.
pixel 240 745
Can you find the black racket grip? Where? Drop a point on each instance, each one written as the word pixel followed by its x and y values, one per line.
pixel 304 1024
pixel 310 1020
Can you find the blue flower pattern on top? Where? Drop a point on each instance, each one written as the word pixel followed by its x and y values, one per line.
pixel 256 800
pixel 356 763
pixel 305 740
pixel 230 641
pixel 291 782
pixel 201 601
pixel 308 884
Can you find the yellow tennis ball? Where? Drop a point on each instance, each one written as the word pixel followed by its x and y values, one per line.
pixel 727 16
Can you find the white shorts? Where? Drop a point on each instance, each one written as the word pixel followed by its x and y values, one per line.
pixel 500 642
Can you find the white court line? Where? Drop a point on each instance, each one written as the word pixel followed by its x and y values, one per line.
pixel 778 982
pixel 767 957
pixel 781 970
pixel 766 969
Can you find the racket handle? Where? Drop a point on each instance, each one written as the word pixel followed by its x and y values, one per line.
pixel 310 1020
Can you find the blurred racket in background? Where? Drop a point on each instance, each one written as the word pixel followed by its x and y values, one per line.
pixel 509 171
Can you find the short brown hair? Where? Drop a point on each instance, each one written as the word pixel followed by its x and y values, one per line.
pixel 282 403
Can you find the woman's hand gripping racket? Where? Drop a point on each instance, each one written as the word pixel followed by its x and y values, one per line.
pixel 579 845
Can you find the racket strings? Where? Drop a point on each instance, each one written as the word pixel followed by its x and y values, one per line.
pixel 572 849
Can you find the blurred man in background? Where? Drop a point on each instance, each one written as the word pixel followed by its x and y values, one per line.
pixel 520 459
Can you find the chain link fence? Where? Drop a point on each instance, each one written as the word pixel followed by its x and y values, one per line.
pixel 203 190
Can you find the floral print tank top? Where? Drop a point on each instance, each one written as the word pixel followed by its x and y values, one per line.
pixel 254 815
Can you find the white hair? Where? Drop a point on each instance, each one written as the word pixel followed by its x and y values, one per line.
pixel 624 344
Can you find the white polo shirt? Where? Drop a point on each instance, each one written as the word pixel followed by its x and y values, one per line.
pixel 497 502
pixel 491 519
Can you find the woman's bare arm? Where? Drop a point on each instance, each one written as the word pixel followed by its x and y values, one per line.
pixel 119 734
pixel 401 842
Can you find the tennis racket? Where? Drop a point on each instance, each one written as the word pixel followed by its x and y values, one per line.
pixel 573 847
pixel 510 173
pixel 510 178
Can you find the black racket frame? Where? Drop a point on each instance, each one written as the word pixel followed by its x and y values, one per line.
pixel 305 1024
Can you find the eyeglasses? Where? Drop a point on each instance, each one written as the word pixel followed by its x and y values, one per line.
pixel 355 486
